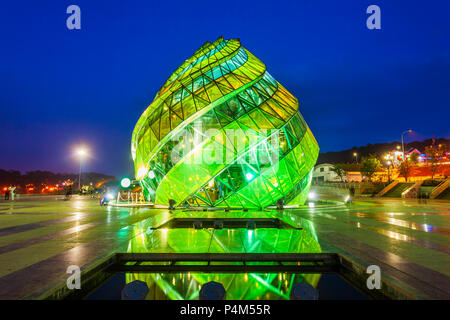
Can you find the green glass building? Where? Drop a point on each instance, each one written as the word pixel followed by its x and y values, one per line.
pixel 222 132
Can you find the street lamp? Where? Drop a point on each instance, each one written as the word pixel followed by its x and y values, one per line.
pixel 389 171
pixel 403 147
pixel 356 156
pixel 81 154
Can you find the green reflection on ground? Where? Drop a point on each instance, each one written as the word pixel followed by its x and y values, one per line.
pixel 240 240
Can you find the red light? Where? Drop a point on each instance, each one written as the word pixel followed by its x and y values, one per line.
pixel 5 188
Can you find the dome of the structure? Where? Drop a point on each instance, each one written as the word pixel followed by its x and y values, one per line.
pixel 223 132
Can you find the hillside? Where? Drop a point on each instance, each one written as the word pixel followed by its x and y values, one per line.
pixel 379 149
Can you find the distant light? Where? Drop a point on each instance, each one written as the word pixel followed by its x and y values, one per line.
pixel 81 153
pixel 311 204
pixel 109 196
pixel 125 182
pixel 347 198
pixel 151 174
pixel 249 176
pixel 312 196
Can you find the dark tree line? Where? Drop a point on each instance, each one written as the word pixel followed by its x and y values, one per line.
pixel 38 177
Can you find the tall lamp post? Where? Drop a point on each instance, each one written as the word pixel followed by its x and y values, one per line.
pixel 356 156
pixel 389 171
pixel 403 147
pixel 81 154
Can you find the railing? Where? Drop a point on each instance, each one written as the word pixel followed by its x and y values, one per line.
pixel 131 197
pixel 228 262
pixel 408 192
pixel 439 188
pixel 387 188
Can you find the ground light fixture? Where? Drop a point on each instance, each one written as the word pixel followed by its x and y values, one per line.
pixel 312 196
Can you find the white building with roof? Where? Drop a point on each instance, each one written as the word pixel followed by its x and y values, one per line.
pixel 323 172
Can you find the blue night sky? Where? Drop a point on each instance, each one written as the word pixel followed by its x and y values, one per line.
pixel 61 87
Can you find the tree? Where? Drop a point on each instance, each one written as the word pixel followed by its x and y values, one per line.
pixel 405 169
pixel 414 157
pixel 369 166
pixel 339 170
pixel 433 155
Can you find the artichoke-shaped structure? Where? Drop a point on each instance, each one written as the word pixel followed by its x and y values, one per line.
pixel 222 132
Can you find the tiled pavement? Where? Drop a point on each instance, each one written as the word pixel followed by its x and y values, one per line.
pixel 410 241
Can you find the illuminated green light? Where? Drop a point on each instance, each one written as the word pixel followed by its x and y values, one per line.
pixel 125 182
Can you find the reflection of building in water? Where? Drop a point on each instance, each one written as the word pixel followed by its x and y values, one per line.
pixel 240 286
pixel 233 240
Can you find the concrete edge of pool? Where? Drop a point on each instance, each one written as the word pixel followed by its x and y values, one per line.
pixel 97 273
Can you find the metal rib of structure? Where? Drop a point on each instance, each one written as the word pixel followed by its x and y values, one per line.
pixel 222 132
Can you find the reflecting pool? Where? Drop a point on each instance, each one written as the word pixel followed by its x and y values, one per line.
pixel 295 235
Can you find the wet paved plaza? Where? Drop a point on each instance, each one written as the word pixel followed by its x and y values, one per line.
pixel 40 238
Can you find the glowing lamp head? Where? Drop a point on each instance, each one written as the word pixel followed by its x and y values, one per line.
pixel 81 153
pixel 249 176
pixel 125 182
pixel 151 174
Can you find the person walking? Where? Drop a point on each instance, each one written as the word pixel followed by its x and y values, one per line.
pixel 7 194
pixel 11 191
pixel 352 191
pixel 68 192
pixel 91 190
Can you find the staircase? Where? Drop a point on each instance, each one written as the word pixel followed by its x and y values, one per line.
pixel 411 192
pixel 387 188
pixel 396 192
pixel 445 195
pixel 440 188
